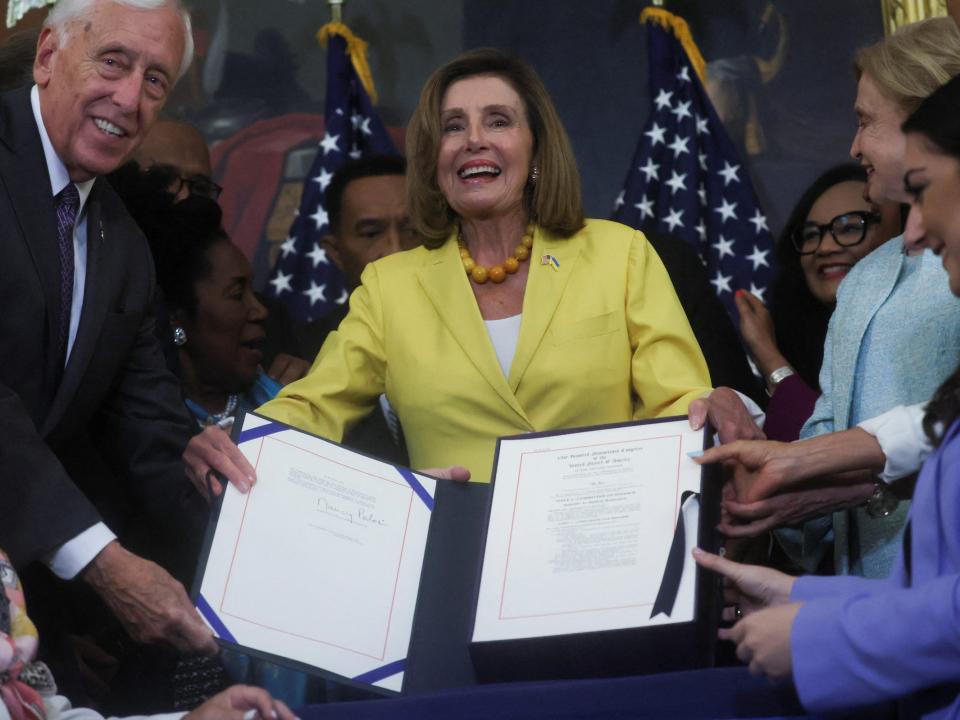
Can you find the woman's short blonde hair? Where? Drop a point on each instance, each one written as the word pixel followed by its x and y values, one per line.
pixel 913 62
pixel 553 200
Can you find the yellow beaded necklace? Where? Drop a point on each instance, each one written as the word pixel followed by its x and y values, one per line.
pixel 497 273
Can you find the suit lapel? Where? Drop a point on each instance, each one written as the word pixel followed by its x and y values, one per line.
pixel 545 286
pixel 96 297
pixel 24 175
pixel 446 285
pixel 850 336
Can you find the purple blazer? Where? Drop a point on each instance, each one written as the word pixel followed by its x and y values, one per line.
pixel 857 641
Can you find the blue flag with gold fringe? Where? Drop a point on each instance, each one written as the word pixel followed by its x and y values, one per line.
pixel 304 279
pixel 686 179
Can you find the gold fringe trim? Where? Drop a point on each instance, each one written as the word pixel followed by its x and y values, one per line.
pixel 356 49
pixel 678 26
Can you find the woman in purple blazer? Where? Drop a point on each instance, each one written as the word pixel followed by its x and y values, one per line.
pixel 848 642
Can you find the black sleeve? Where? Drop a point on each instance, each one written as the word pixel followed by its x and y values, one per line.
pixel 40 506
pixel 142 430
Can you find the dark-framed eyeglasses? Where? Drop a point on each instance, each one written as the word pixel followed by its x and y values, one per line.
pixel 199 185
pixel 847 230
pixel 168 178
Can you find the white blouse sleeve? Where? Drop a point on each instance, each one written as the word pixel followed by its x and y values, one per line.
pixel 902 439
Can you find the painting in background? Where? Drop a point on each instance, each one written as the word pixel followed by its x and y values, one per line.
pixel 781 68
pixel 256 91
pixel 785 67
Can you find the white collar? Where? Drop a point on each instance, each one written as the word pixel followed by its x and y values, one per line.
pixel 59 177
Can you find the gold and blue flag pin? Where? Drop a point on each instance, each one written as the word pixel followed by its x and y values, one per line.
pixel 551 261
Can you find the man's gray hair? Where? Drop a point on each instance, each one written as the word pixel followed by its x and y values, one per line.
pixel 65 11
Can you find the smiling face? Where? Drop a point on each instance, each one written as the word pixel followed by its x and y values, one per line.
pixel 486 148
pixel 101 90
pixel 224 333
pixel 932 181
pixel 879 142
pixel 824 269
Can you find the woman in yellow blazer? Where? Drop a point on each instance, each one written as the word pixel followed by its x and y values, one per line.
pixel 517 315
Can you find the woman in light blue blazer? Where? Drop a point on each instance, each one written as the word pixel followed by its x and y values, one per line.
pixel 849 642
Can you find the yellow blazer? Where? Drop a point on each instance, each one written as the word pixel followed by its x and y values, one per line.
pixel 603 339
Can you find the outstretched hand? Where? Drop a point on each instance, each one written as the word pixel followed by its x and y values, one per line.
pixel 241 702
pixel 763 640
pixel 762 595
pixel 751 587
pixel 727 414
pixel 790 507
pixel 759 468
pixel 213 449
pixel 150 604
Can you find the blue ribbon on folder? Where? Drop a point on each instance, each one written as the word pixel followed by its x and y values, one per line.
pixel 417 487
pixel 260 431
pixel 382 672
pixel 215 622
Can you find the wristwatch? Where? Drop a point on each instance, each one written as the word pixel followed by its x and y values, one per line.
pixel 882 502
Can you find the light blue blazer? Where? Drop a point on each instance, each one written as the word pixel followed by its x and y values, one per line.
pixel 893 339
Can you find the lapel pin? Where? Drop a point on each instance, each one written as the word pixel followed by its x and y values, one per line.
pixel 551 261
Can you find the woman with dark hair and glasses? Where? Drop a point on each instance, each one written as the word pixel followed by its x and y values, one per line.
pixel 831 228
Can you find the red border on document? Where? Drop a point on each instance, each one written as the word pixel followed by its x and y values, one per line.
pixel 513 520
pixel 396 583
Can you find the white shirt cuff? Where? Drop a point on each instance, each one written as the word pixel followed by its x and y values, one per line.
pixel 74 555
pixel 902 439
pixel 758 415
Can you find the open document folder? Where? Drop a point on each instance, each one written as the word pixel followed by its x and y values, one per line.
pixel 587 567
pixel 319 565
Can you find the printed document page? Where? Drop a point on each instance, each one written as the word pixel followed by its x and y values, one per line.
pixel 320 562
pixel 580 528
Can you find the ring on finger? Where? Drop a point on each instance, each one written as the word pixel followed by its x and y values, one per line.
pixel 737 612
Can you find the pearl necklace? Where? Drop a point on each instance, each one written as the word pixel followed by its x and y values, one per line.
pixel 497 273
pixel 224 419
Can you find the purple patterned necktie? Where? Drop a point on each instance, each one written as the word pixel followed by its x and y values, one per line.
pixel 68 202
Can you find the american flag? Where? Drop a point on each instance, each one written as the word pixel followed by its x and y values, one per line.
pixel 304 279
pixel 686 179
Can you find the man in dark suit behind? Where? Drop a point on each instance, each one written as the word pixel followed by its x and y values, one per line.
pixel 79 361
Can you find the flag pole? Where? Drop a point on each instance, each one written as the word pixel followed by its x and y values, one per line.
pixel 336 10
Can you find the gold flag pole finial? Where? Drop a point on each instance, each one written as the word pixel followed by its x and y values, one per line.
pixel 678 26
pixel 356 47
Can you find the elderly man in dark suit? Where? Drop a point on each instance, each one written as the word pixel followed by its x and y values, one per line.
pixel 79 362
